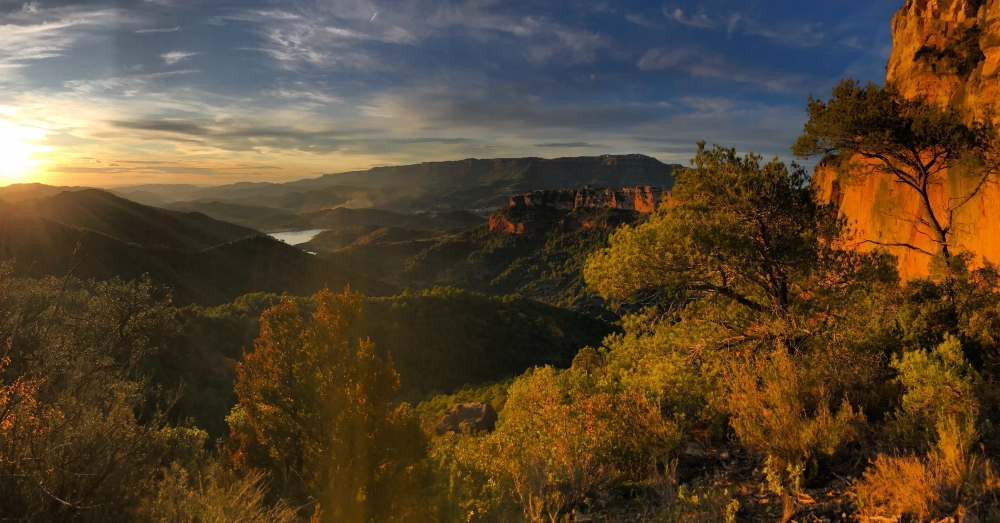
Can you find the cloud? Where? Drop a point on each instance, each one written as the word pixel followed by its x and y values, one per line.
pixel 698 20
pixel 570 145
pixel 639 19
pixel 165 30
pixel 168 126
pixel 126 84
pixel 34 33
pixel 798 34
pixel 706 65
pixel 341 35
pixel 173 57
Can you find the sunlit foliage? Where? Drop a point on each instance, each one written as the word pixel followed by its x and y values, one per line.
pixel 316 409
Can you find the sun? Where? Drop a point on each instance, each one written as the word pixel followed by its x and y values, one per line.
pixel 17 164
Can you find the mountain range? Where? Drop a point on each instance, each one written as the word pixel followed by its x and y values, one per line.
pixel 454 185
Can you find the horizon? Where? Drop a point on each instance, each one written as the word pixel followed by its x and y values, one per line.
pixel 129 185
pixel 130 92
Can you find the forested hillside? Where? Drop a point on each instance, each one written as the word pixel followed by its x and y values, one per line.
pixel 103 212
pixel 545 264
pixel 93 234
pixel 439 340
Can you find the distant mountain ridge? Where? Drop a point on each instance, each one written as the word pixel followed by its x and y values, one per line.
pixel 557 173
pixel 450 185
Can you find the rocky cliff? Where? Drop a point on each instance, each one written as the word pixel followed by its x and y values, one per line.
pixel 639 199
pixel 573 209
pixel 947 51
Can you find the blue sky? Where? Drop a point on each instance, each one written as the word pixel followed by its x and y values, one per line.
pixel 210 92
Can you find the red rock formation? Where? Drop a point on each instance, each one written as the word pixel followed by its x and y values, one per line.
pixel 639 199
pixel 504 224
pixel 581 209
pixel 947 51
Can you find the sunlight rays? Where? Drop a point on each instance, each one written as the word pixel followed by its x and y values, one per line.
pixel 18 153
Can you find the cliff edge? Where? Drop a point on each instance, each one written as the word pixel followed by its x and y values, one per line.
pixel 948 52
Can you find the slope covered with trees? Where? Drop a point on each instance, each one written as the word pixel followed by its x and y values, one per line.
pixel 41 247
pixel 128 221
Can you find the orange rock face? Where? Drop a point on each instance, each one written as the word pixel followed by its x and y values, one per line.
pixel 503 224
pixel 947 51
pixel 639 199
pixel 879 211
pixel 938 52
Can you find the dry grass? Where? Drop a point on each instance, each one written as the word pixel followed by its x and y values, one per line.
pixel 948 483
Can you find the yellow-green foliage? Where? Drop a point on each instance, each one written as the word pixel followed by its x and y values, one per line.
pixel 784 411
pixel 316 407
pixel 939 405
pixel 939 389
pixel 562 438
pixel 432 409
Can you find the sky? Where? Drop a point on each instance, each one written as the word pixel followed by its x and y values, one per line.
pixel 112 93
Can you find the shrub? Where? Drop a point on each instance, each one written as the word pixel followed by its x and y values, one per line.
pixel 564 440
pixel 939 389
pixel 780 409
pixel 316 409
pixel 940 407
pixel 215 495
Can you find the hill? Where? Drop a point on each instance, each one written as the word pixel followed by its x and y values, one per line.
pixel 341 217
pixel 275 220
pixel 536 173
pixel 463 184
pixel 263 219
pixel 25 191
pixel 211 276
pixel 128 221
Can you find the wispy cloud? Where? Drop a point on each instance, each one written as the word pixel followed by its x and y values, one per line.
pixel 701 19
pixel 34 33
pixel 798 34
pixel 162 30
pixel 640 19
pixel 333 37
pixel 570 145
pixel 173 57
pixel 123 84
pixel 702 64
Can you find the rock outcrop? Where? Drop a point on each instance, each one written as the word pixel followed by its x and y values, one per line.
pixel 574 209
pixel 948 52
pixel 639 199
pixel 472 417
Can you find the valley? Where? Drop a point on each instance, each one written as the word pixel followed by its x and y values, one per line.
pixel 244 296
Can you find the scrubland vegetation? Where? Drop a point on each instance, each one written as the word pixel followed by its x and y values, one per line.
pixel 766 369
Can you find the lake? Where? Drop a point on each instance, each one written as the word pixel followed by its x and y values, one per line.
pixel 296 237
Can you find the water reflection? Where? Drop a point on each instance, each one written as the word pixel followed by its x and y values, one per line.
pixel 296 237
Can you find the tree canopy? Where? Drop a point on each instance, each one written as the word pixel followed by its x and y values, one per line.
pixel 873 130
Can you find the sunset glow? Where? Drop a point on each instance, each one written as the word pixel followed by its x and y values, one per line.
pixel 211 93
pixel 18 154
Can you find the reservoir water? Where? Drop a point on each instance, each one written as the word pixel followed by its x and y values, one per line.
pixel 296 237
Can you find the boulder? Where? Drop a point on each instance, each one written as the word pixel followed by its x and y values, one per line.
pixel 474 417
